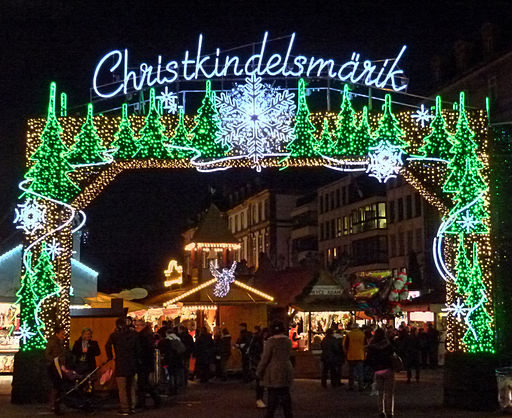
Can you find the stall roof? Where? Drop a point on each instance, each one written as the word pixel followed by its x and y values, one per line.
pixel 285 285
pixel 213 229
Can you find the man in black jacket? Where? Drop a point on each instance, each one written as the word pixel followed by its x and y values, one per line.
pixel 145 365
pixel 126 347
pixel 244 344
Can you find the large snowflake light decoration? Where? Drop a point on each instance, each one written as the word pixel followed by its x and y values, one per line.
pixel 54 249
pixel 385 161
pixel 30 216
pixel 457 309
pixel 256 119
pixel 422 116
pixel 169 100
pixel 25 333
pixel 224 279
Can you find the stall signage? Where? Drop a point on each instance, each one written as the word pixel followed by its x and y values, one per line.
pixel 326 290
pixel 196 64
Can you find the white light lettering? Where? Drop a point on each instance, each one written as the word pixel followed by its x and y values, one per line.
pixel 111 69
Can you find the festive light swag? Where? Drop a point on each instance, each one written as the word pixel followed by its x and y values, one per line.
pixel 203 141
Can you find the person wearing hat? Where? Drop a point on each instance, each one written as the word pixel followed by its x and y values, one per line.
pixel 275 370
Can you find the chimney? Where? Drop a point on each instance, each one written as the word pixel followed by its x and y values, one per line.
pixel 462 50
pixel 488 34
pixel 437 68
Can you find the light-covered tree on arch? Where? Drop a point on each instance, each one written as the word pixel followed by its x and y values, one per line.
pixel 437 144
pixel 345 126
pixel 124 143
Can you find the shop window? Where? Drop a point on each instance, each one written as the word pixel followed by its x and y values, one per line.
pixel 391 211
pixel 339 227
pixel 237 222
pixel 333 228
pixel 417 204
pixel 408 206
pixel 400 209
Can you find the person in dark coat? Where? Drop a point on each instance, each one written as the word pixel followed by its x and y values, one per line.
pixel 204 349
pixel 125 343
pixel 433 345
pixel 188 341
pixel 222 353
pixel 145 365
pixel 255 351
pixel 276 371
pixel 54 355
pixel 410 349
pixel 173 350
pixel 243 344
pixel 423 343
pixel 380 358
pixel 85 350
pixel 332 358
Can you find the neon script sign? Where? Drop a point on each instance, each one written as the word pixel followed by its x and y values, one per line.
pixel 194 66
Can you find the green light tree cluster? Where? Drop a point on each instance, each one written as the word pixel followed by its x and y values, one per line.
pixel 479 336
pixel 389 128
pixel 303 143
pixel 326 145
pixel 205 136
pixel 88 148
pixel 437 144
pixel 362 137
pixel 44 284
pixel 49 174
pixel 346 126
pixel 463 268
pixel 124 143
pixel 152 134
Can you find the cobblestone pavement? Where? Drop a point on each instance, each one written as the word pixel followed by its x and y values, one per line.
pixel 234 399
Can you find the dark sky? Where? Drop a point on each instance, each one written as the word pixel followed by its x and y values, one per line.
pixel 134 225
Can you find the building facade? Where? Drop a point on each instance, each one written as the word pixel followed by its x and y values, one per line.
pixel 304 232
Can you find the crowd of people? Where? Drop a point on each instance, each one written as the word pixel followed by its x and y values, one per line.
pixel 373 355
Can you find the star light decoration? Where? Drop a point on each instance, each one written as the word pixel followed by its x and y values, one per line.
pixel 385 161
pixel 256 119
pixel 224 279
pixel 169 100
pixel 25 333
pixel 457 309
pixel 30 216
pixel 422 116
pixel 468 222
pixel 54 249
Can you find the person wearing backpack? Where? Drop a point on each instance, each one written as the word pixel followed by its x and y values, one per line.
pixel 173 351
pixel 381 358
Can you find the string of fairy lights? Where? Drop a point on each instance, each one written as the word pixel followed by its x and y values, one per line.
pixel 101 147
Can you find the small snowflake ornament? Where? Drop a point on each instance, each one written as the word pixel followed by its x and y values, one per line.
pixel 468 222
pixel 224 279
pixel 385 161
pixel 422 116
pixel 457 309
pixel 25 333
pixel 54 249
pixel 30 216
pixel 169 100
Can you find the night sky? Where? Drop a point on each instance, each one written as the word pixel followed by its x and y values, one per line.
pixel 134 225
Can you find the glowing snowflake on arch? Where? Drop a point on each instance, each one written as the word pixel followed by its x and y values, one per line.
pixel 468 222
pixel 30 216
pixel 25 333
pixel 54 249
pixel 169 100
pixel 256 119
pixel 385 161
pixel 422 116
pixel 457 309
pixel 224 279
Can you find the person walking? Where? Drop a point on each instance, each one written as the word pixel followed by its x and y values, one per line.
pixel 188 342
pixel 433 345
pixel 223 353
pixel 54 355
pixel 276 371
pixel 145 365
pixel 256 350
pixel 173 351
pixel 332 358
pixel 423 344
pixel 125 343
pixel 410 349
pixel 354 345
pixel 380 358
pixel 204 353
pixel 243 344
pixel 85 350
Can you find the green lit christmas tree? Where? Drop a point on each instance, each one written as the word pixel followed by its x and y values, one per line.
pixel 124 143
pixel 180 137
pixel 303 143
pixel 389 128
pixel 31 336
pixel 49 174
pixel 44 283
pixel 205 136
pixel 88 148
pixel 362 138
pixel 326 145
pixel 152 134
pixel 479 335
pixel 463 268
pixel 437 144
pixel 462 150
pixel 346 126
